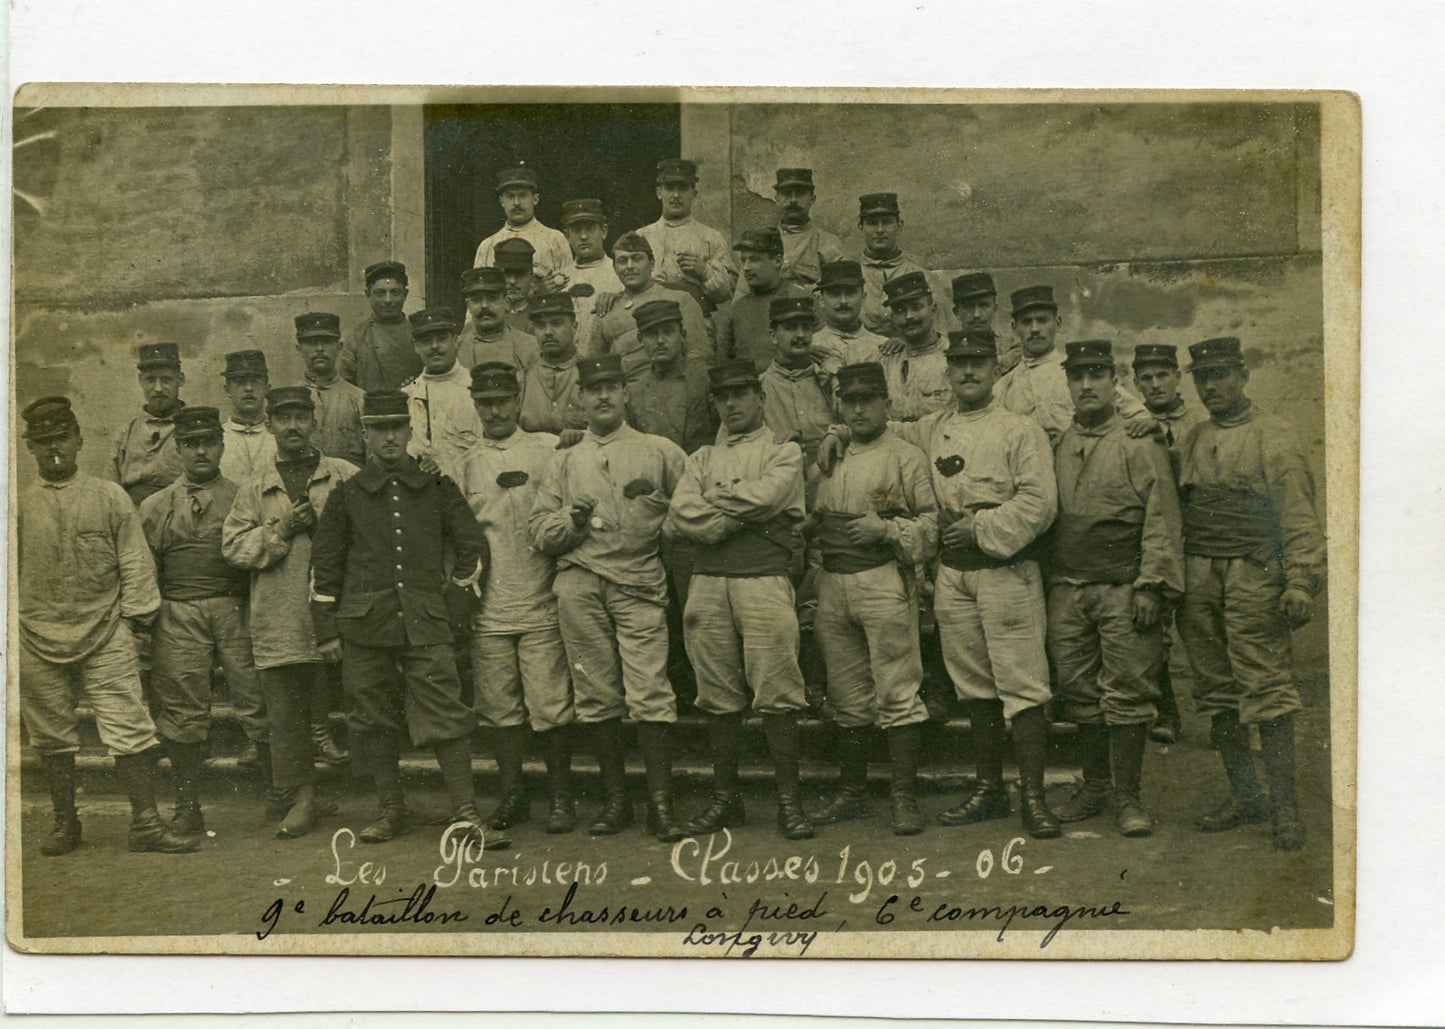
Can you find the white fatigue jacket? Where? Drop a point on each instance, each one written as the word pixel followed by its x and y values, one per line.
pixel 552 252
pixel 747 478
pixel 890 476
pixel 499 478
pixel 444 423
pixel 602 277
pixel 551 397
pixel 918 381
pixel 690 236
pixel 798 400
pixel 843 348
pixel 511 346
pixel 630 475
pixel 250 450
pixel 994 463
pixel 806 249
pixel 1037 387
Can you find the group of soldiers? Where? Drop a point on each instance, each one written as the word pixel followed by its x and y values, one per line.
pixel 614 474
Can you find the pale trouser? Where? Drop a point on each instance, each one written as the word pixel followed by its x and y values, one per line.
pixel 617 649
pixel 187 638
pixel 1108 670
pixel 1238 638
pixel 991 625
pixel 520 677
pixel 742 630
pixel 108 679
pixel 867 627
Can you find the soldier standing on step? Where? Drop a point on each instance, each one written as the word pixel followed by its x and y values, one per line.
pixel 86 583
pixel 143 459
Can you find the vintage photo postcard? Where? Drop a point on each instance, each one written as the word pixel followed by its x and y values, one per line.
pixel 696 523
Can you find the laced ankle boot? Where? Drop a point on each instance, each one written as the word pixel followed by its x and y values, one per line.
pixel 725 741
pixel 1276 740
pixel 1092 796
pixel 557 754
pixel 782 735
pixel 616 813
pixel 1126 755
pixel 148 834
pixel 1031 741
pixel 988 799
pixel 904 743
pixel 652 740
pixel 851 799
pixel 509 744
pixel 64 835
pixel 1245 804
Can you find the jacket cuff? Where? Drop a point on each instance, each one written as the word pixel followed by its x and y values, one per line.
pixel 323 620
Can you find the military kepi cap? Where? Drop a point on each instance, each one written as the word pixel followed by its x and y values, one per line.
pixel 242 363
pixel 732 373
pixel 862 380
pixel 1032 296
pixel 980 342
pixel 513 254
pixel 494 379
pixel 519 175
pixel 317 324
pixel 877 203
pixel 483 280
pixel 787 309
pixel 385 270
pixel 544 304
pixel 973 284
pixel 676 169
pixel 657 312
pixel 1156 353
pixel 158 355
pixel 432 321
pixel 197 422
pixel 840 273
pixel 48 417
pixel 381 406
pixel 1216 353
pixel 905 287
pixel 594 370
pixel 282 397
pixel 1089 353
pixel 794 177
pixel 766 241
pixel 588 209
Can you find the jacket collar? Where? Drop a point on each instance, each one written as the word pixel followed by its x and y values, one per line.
pixel 373 476
pixel 1239 418
pixel 795 374
pixel 1105 427
pixel 731 440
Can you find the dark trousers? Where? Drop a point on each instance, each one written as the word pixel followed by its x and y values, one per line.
pixel 287 691
pixel 411 689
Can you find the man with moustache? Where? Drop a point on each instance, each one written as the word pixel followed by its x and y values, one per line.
pixel 143 459
pixel 873 542
pixel 1117 562
pixel 384 602
pixel 492 336
pixel 86 584
pixel 740 501
pixel 518 193
pixel 743 327
pixel 1254 562
pixel 203 617
pixel 549 387
pixel 378 353
pixel 670 397
pixel 917 372
pixel 843 339
pixel 338 402
pixel 599 513
pixel 975 305
pixel 514 258
pixel 268 532
pixel 586 229
pixel 1157 378
pixel 249 447
pixel 443 423
pixel 797 392
pixel 881 222
pixel 519 666
pixel 806 247
pixel 1037 387
pixel 615 332
pixel 690 256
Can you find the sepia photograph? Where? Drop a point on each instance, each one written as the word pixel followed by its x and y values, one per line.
pixel 683 522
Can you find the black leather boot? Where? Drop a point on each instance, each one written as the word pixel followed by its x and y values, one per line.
pixel 725 741
pixel 137 774
pixel 1167 725
pixel 988 799
pixel 557 754
pixel 64 835
pixel 904 743
pixel 323 745
pixel 1276 741
pixel 509 744
pixel 1031 741
pixel 616 813
pixel 186 761
pixel 782 735
pixel 1092 796
pixel 652 740
pixel 382 756
pixel 1245 804
pixel 1126 756
pixel 851 800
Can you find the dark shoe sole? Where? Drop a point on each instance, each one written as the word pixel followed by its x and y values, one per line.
pixel 950 819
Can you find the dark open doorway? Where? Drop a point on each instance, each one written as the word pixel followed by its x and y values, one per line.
pixel 608 151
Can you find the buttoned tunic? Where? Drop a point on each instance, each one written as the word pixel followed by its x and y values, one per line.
pixel 444 423
pixel 918 381
pixel 144 458
pixel 1250 532
pixel 867 620
pixel 250 449
pixel 1037 387
pixel 690 236
pixel 338 430
pixel 616 332
pixel 602 277
pixel 552 252
pixel 551 397
pixel 846 347
pixel 1118 531
pixel 674 403
pixel 379 355
pixel 512 346
pixel 876 272
pixel 281 631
